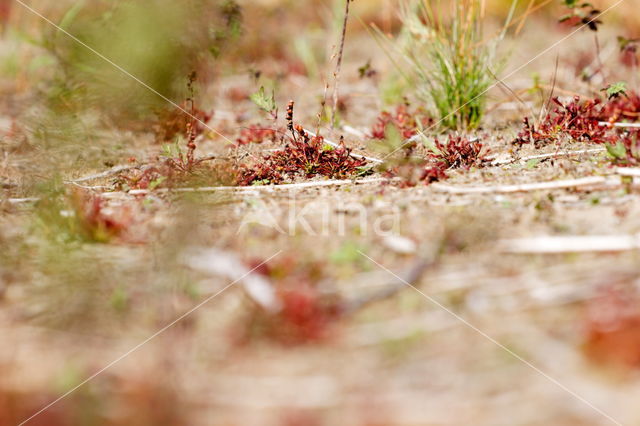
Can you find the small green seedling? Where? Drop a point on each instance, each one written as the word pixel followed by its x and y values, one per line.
pixel 582 14
pixel 617 151
pixel 265 102
pixel 616 90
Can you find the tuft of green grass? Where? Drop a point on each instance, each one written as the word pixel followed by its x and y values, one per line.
pixel 453 64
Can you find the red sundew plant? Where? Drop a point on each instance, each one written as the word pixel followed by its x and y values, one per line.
pixel 613 328
pixel 175 166
pixel 185 162
pixel 628 51
pixel 433 174
pixel 163 175
pixel 410 174
pixel 581 13
pixel 172 121
pixel 406 121
pixel 16 406
pixel 175 120
pixel 96 221
pixel 141 400
pixel 624 107
pixel 256 134
pixel 302 156
pixel 459 152
pixel 306 317
pixel 145 178
pixel 578 120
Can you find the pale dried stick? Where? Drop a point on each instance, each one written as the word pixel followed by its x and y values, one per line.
pixel 621 125
pixel 251 189
pixel 214 261
pixel 107 173
pixel 571 244
pixel 526 187
pixel 117 169
pixel 625 171
pixel 412 277
pixel 502 162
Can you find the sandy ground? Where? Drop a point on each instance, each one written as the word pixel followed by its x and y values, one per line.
pixel 485 336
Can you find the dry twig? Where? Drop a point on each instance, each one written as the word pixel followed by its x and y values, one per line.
pixel 571 244
pixel 336 74
pixel 257 188
pixel 526 187
pixel 412 277
pixel 506 161
pixel 620 125
pixel 222 263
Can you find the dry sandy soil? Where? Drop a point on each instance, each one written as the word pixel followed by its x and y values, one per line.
pixel 525 310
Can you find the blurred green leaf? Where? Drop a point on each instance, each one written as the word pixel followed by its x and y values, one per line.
pixel 531 164
pixel 347 254
pixel 263 101
pixel 616 89
pixel 617 151
pixel 71 15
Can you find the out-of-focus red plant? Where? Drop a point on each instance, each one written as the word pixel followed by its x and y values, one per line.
pixel 302 156
pixel 458 152
pixel 172 121
pixel 628 51
pixel 613 328
pixel 307 316
pixel 98 222
pixel 625 107
pixel 143 400
pixel 406 121
pixel 579 120
pixel 432 174
pixel 256 134
pixel 626 151
pixel 146 177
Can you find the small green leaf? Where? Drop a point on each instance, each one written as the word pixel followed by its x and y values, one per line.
pixel 565 18
pixel 347 254
pixel 263 101
pixel 70 16
pixel 119 299
pixel 41 61
pixel 617 151
pixel 166 150
pixel 154 183
pixel 623 42
pixel 616 89
pixel 364 171
pixel 531 164
pixel 365 70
